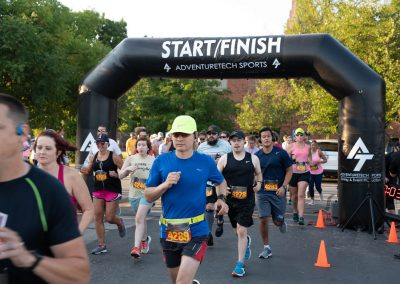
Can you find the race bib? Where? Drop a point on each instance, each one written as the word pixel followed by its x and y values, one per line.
pixel 271 185
pixel 314 167
pixel 301 166
pixel 139 183
pixel 179 233
pixel 239 192
pixel 100 175
pixel 209 191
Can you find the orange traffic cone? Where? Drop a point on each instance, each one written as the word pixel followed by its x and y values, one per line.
pixel 320 221
pixel 322 260
pixel 392 234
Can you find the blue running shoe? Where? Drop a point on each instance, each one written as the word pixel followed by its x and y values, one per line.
pixel 239 270
pixel 248 249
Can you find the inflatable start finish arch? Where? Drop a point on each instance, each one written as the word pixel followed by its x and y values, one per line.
pixel 359 90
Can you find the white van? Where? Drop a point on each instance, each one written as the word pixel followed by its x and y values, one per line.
pixel 330 149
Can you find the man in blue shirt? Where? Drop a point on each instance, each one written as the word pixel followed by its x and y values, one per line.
pixel 180 178
pixel 276 167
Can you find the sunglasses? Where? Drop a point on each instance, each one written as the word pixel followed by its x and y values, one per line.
pixel 100 143
pixel 299 134
pixel 212 133
pixel 177 134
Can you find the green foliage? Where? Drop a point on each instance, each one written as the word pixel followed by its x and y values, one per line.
pixel 155 104
pixel 367 28
pixel 267 107
pixel 45 51
pixel 370 30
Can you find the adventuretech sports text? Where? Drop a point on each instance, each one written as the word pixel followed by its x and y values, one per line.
pixel 222 47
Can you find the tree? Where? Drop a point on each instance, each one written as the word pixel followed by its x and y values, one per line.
pixel 267 107
pixel 155 104
pixel 370 30
pixel 45 50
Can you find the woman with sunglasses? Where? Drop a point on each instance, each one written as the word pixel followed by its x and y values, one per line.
pixel 299 151
pixel 317 158
pixel 107 190
pixel 50 150
pixel 166 146
pixel 138 167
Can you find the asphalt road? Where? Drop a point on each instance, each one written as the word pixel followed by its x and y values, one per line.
pixel 355 257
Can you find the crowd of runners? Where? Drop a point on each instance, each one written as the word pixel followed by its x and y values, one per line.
pixel 200 176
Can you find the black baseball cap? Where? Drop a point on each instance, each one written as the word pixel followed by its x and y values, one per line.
pixel 213 128
pixel 102 138
pixel 237 133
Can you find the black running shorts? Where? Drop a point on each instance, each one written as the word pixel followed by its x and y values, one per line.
pixel 172 252
pixel 213 198
pixel 241 213
pixel 296 178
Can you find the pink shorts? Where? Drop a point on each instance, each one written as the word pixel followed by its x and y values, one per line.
pixel 107 195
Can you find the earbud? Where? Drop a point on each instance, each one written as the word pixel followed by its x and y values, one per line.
pixel 19 130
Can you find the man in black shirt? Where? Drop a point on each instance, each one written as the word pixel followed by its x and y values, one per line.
pixel 392 163
pixel 242 173
pixel 392 166
pixel 39 239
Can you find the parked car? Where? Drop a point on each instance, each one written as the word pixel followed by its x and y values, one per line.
pixel 393 142
pixel 330 149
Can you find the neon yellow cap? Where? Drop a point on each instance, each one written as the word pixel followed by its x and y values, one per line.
pixel 184 124
pixel 299 130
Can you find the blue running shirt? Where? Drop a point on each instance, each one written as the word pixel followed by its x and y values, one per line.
pixel 187 198
pixel 274 165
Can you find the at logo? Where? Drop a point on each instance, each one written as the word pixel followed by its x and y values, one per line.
pixel 361 153
pixel 87 143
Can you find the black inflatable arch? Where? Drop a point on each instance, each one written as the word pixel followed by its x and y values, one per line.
pixel 359 90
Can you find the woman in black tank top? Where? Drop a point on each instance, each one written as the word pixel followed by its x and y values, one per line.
pixel 107 190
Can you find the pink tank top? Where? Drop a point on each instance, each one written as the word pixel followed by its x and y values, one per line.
pixel 315 168
pixel 73 199
pixel 301 156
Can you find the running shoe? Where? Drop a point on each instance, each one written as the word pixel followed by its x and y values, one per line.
pixel 99 250
pixel 210 240
pixel 321 197
pixel 265 253
pixel 301 220
pixel 283 227
pixel 195 281
pixel 145 245
pixel 220 228
pixel 121 228
pixel 295 217
pixel 135 252
pixel 239 270
pixel 311 202
pixel 290 202
pixel 248 249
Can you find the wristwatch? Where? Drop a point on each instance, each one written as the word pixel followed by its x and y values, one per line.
pixel 222 197
pixel 285 187
pixel 35 263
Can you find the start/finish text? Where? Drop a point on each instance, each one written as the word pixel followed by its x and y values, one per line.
pixel 221 47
